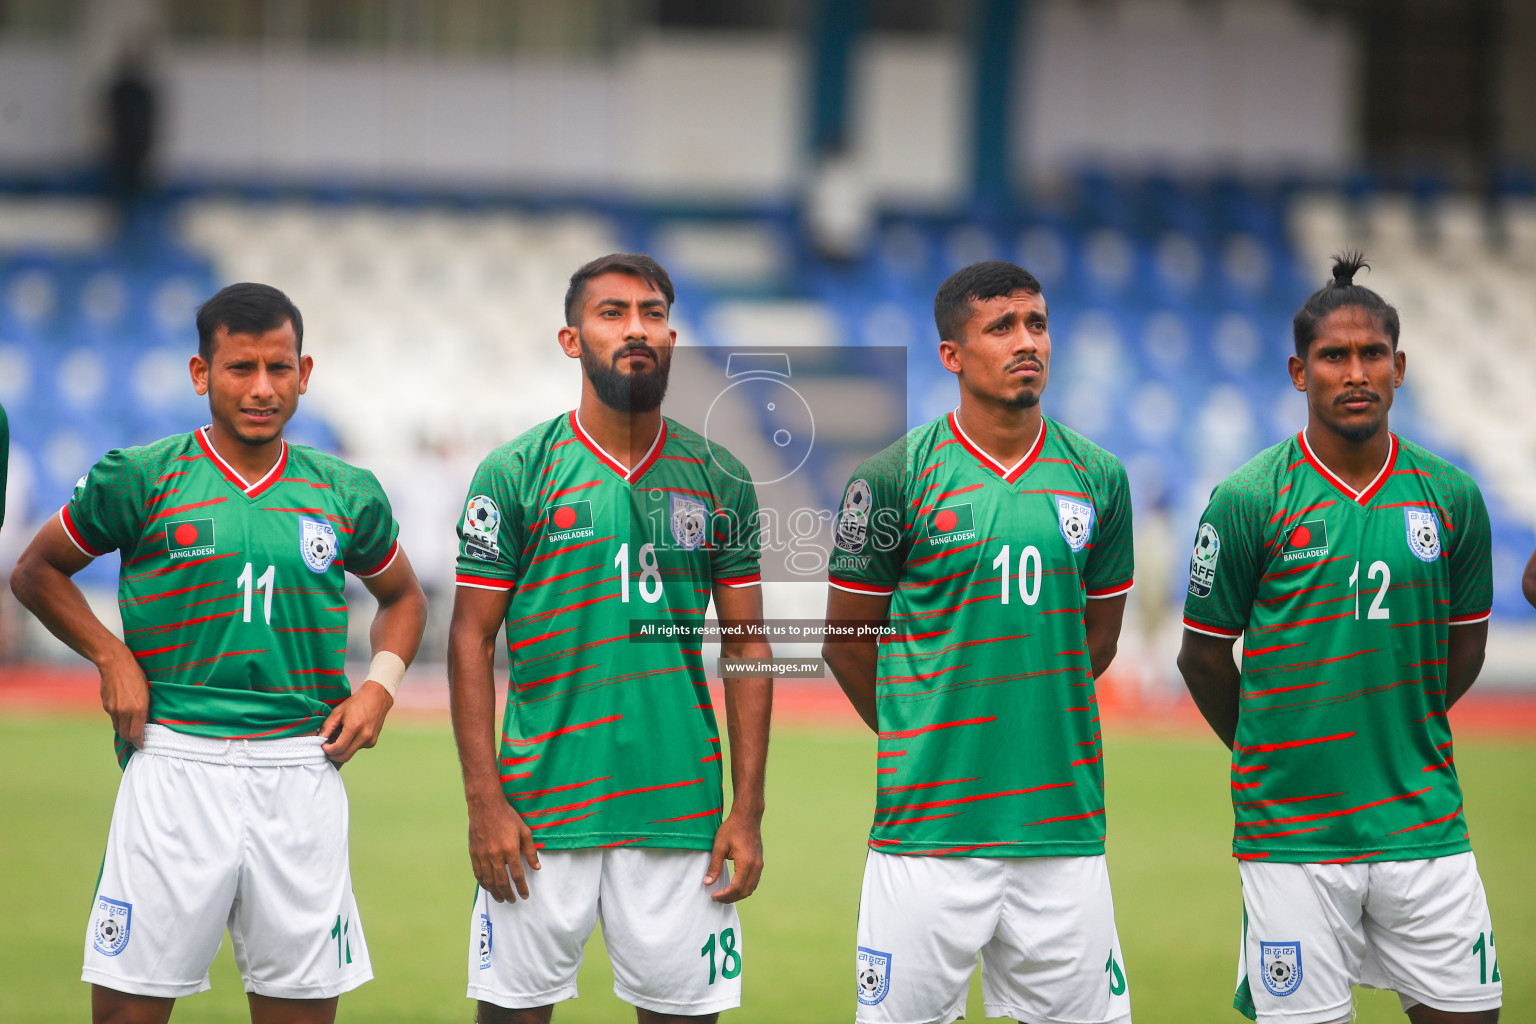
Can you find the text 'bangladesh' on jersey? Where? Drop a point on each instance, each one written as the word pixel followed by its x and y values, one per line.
pixel 609 736
pixel 231 593
pixel 1345 602
pixel 989 725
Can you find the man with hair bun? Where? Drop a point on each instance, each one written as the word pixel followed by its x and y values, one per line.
pixel 1356 567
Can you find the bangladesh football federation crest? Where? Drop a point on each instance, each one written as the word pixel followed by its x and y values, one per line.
pixel 1202 564
pixel 1076 519
pixel 1423 533
pixel 853 518
pixel 317 543
pixel 482 520
pixel 688 518
pixel 1281 967
pixel 109 926
pixel 485 941
pixel 873 973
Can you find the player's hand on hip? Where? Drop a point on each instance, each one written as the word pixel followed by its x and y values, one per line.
pixel 499 842
pixel 739 840
pixel 356 722
pixel 125 696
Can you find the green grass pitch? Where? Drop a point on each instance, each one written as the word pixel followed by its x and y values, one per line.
pixel 1175 884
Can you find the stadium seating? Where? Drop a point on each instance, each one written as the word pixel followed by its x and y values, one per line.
pixel 433 326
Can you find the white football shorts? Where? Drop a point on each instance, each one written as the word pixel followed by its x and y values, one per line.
pixel 1312 931
pixel 1044 927
pixel 674 950
pixel 245 834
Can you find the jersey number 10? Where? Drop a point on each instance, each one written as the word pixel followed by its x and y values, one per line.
pixel 1031 569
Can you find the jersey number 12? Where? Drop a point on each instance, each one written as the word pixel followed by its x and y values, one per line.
pixel 1378 608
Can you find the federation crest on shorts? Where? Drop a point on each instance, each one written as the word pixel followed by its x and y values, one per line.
pixel 853 518
pixel 317 543
pixel 1076 519
pixel 1423 533
pixel 1281 966
pixel 873 973
pixel 485 941
pixel 688 517
pixel 482 520
pixel 109 926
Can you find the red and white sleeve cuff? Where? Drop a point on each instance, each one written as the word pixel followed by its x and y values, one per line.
pixel 389 560
pixel 1467 620
pixel 855 587
pixel 483 582
pixel 1221 631
pixel 1114 591
pixel 74 535
pixel 750 580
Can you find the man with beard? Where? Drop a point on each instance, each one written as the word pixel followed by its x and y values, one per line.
pixel 997 543
pixel 581 538
pixel 228 692
pixel 1356 567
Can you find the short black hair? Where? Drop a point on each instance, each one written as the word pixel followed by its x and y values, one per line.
pixel 635 264
pixel 1338 293
pixel 976 283
pixel 246 308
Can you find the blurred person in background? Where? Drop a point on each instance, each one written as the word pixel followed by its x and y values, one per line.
pixel 1356 566
pixel 998 545
pixel 228 698
pixel 132 113
pixel 607 780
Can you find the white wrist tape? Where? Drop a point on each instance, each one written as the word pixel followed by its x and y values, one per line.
pixel 387 669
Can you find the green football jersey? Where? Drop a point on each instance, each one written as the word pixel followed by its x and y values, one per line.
pixel 609 735
pixel 231 592
pixel 989 740
pixel 1345 601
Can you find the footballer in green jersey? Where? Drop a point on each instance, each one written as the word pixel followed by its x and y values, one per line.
pixel 1355 565
pixel 996 543
pixel 228 685
pixel 604 777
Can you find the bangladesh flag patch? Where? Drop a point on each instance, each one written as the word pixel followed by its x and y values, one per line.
pixel 189 538
pixel 568 521
pixel 951 523
pixel 1307 539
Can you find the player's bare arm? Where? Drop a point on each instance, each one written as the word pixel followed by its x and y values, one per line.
pixel 1102 620
pixel 397 626
pixel 1528 580
pixel 748 709
pixel 499 839
pixel 853 661
pixel 1213 680
pixel 42 581
pixel 1464 660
